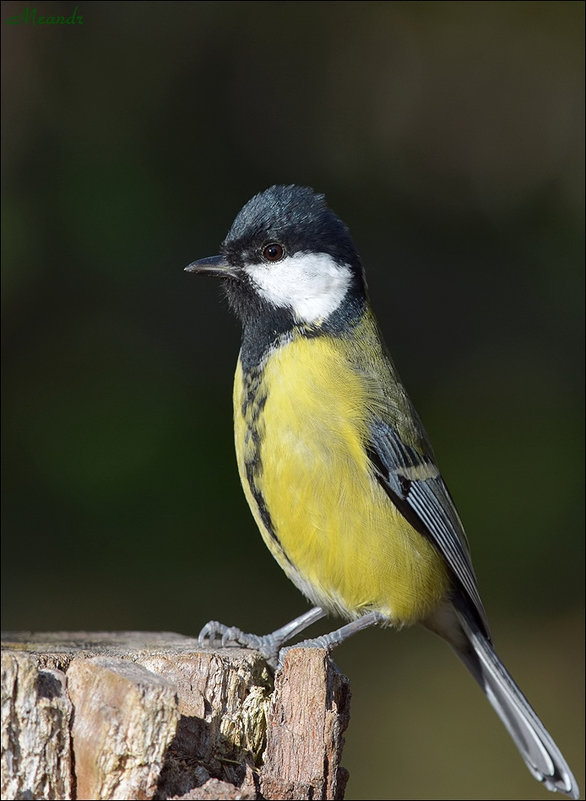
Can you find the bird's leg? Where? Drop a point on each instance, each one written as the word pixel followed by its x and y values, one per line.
pixel 329 641
pixel 269 645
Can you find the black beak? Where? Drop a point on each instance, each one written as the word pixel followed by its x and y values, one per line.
pixel 212 265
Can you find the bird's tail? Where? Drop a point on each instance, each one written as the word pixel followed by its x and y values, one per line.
pixel 541 754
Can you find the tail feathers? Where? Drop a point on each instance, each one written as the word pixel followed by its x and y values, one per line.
pixel 541 754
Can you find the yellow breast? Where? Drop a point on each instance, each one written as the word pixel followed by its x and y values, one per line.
pixel 300 429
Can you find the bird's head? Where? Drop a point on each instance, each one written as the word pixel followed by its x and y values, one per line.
pixel 288 255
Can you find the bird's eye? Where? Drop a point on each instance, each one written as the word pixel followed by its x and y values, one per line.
pixel 273 251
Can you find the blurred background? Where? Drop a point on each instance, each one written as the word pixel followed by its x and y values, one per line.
pixel 449 137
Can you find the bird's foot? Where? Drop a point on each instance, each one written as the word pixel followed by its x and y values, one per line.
pixel 316 642
pixel 217 635
pixel 329 641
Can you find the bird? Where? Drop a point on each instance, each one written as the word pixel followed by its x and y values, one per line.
pixel 335 463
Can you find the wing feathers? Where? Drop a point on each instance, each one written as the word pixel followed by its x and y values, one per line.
pixel 413 482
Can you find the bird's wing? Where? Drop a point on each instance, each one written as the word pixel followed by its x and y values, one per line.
pixel 414 484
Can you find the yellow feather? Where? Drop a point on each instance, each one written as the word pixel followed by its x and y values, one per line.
pixel 340 538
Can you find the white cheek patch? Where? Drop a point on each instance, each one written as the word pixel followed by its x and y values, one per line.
pixel 312 285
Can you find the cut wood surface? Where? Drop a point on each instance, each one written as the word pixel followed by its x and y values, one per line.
pixel 141 715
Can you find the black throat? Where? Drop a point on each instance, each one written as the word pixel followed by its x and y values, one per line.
pixel 264 325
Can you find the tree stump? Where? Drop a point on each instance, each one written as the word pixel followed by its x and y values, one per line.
pixel 118 715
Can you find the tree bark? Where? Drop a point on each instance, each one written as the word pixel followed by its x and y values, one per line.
pixel 143 715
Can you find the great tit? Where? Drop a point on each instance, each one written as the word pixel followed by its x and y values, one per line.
pixel 334 460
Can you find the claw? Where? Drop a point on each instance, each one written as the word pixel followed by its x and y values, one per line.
pixel 316 642
pixel 234 636
pixel 281 657
pixel 217 634
pixel 210 634
pixel 214 635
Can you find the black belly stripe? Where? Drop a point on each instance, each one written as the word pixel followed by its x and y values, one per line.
pixel 255 398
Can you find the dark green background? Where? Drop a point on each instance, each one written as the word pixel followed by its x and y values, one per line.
pixel 448 136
